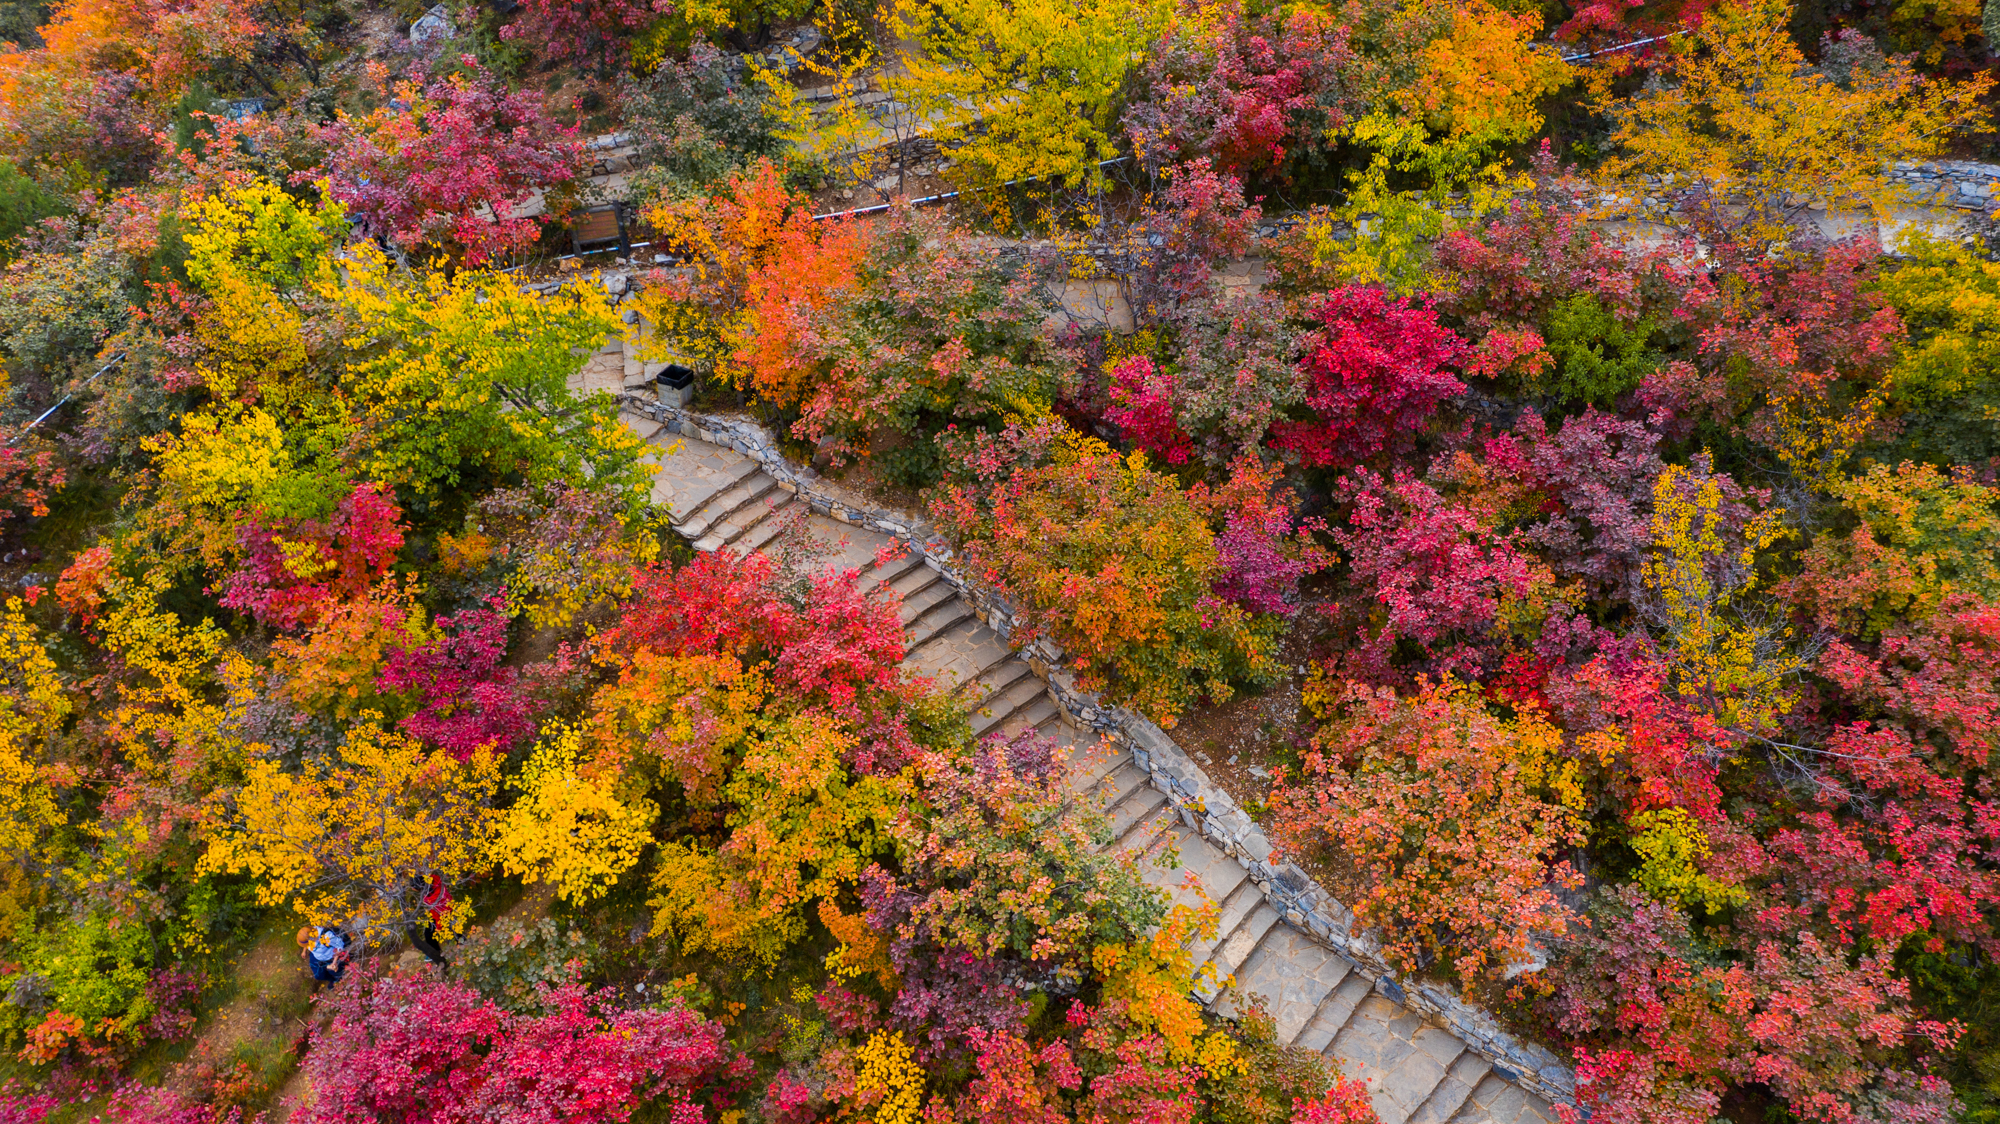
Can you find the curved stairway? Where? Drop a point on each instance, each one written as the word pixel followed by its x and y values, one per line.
pixel 1417 1072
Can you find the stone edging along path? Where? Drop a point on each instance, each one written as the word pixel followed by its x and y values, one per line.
pixel 1201 805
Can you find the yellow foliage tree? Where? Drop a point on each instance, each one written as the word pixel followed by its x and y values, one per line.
pixel 1476 91
pixel 208 475
pixel 352 840
pixel 1722 658
pixel 800 829
pixel 1670 842
pixel 33 706
pixel 257 252
pixel 1754 137
pixel 1020 88
pixel 451 375
pixel 568 830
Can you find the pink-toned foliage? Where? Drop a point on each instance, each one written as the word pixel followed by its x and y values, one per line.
pixel 1142 407
pixel 1346 1102
pixel 465 699
pixel 1237 373
pixel 1582 496
pixel 1682 1025
pixel 1244 91
pixel 1265 547
pixel 1810 335
pixel 1513 270
pixel 586 31
pixel 424 1050
pixel 1432 573
pixel 1376 370
pixel 293 567
pixel 450 170
pixel 1188 229
pixel 832 643
pixel 1000 879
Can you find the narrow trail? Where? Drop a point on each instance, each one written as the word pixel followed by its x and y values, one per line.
pixel 1417 1072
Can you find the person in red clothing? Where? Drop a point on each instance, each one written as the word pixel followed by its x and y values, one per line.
pixel 435 899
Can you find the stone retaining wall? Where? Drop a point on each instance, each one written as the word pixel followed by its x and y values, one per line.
pixel 1202 805
pixel 1959 184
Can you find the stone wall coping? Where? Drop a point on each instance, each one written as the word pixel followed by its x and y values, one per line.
pixel 1203 806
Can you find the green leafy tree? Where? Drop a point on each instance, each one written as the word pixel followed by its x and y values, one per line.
pixel 469 374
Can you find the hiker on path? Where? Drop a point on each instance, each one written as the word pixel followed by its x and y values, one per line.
pixel 326 954
pixel 435 900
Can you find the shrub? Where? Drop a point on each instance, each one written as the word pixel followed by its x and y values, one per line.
pixel 1439 823
pixel 421 1049
pixel 1679 1025
pixel 1376 375
pixel 292 567
pixel 466 701
pixel 1108 559
pixel 1246 92
pixel 1924 536
pixel 448 172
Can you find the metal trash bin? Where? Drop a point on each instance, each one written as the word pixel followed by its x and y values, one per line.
pixel 675 385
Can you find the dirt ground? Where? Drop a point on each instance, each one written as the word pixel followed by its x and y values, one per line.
pixel 1241 743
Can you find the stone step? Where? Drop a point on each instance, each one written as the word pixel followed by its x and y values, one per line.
pixel 1460 1078
pixel 1241 945
pixel 875 577
pixel 913 581
pixel 1037 715
pixel 924 600
pixel 1000 707
pixel 983 655
pixel 1293 974
pixel 760 534
pixel 734 526
pixel 1220 875
pixel 726 532
pixel 728 502
pixel 940 619
pixel 1338 1008
pixel 994 680
pixel 1089 768
pixel 1129 813
pixel 1115 787
pixel 1494 1101
pixel 641 425
pixel 723 479
pixel 1173 879
pixel 1150 840
pixel 1235 907
pixel 1400 1056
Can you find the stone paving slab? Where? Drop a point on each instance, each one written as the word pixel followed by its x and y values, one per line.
pixel 691 472
pixel 1292 973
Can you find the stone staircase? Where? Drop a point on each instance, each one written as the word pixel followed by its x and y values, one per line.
pixel 1417 1072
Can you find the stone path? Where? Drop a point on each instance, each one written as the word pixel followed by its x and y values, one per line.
pixel 1416 1072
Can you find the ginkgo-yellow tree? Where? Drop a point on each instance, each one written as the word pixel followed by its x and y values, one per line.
pixel 569 829
pixel 454 376
pixel 1021 88
pixel 33 706
pixel 353 840
pixel 1723 660
pixel 1755 138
